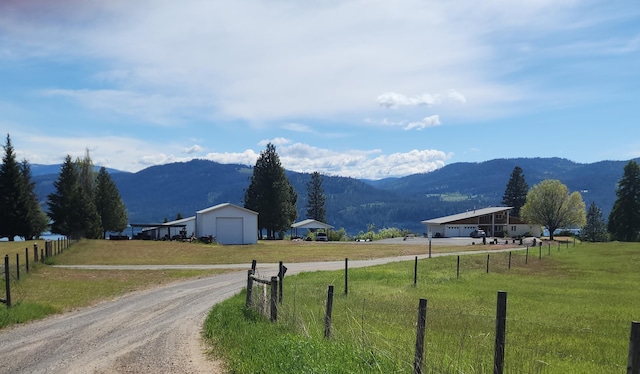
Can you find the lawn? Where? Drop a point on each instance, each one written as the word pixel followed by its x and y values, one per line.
pixel 48 290
pixel 568 312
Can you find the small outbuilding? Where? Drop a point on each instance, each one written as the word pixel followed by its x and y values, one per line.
pixel 228 224
pixel 309 224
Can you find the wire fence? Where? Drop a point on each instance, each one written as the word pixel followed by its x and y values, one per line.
pixel 458 339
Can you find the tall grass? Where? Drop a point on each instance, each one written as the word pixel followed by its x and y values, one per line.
pixel 569 312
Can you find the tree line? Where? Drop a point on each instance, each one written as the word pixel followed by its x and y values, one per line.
pixel 85 203
pixel 88 204
pixel 550 204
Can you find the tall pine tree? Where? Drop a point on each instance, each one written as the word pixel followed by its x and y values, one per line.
pixel 595 230
pixel 515 194
pixel 111 209
pixel 20 212
pixel 35 220
pixel 316 199
pixel 71 208
pixel 271 194
pixel 11 194
pixel 624 219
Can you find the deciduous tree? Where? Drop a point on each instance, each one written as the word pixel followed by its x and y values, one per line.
pixel 624 219
pixel 515 194
pixel 271 195
pixel 549 204
pixel 595 230
pixel 316 199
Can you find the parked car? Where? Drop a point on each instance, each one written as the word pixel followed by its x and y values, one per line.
pixel 321 237
pixel 478 233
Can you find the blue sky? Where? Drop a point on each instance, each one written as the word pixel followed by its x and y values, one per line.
pixel 366 89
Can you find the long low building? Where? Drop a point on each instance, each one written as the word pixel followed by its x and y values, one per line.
pixel 494 221
pixel 225 223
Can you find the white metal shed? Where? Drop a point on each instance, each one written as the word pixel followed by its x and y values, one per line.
pixel 228 224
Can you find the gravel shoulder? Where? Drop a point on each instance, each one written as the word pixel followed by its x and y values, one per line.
pixel 151 331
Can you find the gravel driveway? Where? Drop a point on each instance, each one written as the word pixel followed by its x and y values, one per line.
pixel 152 331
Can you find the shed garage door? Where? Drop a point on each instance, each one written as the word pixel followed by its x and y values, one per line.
pixel 229 230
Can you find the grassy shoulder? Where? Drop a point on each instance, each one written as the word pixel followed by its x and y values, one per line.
pixel 568 312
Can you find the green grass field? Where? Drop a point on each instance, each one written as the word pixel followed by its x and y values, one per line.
pixel 569 312
pixel 48 290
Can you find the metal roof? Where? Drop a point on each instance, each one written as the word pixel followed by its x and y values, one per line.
pixel 311 224
pixel 220 206
pixel 468 214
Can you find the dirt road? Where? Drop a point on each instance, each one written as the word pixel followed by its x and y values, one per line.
pixel 154 331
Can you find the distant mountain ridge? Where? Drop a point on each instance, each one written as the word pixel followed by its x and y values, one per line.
pixel 163 191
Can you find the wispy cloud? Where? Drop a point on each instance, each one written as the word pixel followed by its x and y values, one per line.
pixel 430 121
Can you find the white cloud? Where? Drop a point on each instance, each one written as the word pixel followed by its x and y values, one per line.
pixel 152 108
pixel 430 121
pixel 275 141
pixel 297 127
pixel 193 149
pixel 395 100
pixel 367 164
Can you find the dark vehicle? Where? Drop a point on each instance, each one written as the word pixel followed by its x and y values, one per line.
pixel 478 234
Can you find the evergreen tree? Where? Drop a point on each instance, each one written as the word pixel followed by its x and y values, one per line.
pixel 70 207
pixel 13 195
pixel 624 219
pixel 35 220
pixel 515 194
pixel 316 199
pixel 549 204
pixel 109 205
pixel 595 229
pixel 271 195
pixel 86 173
pixel 20 211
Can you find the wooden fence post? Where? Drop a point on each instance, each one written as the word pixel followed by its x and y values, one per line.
pixel 415 272
pixel 35 252
pixel 280 280
pixel 526 257
pixel 7 280
pixel 327 315
pixel 633 363
pixel 509 260
pixel 253 266
pixel 487 263
pixel 540 253
pixel 501 325
pixel 458 269
pixel 249 287
pixel 17 266
pixel 420 333
pixel 26 257
pixel 346 276
pixel 274 299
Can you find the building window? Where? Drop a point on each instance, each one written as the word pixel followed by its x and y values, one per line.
pixel 513 228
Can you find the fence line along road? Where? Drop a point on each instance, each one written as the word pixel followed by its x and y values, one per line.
pixel 155 330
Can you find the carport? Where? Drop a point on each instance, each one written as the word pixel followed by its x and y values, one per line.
pixel 309 224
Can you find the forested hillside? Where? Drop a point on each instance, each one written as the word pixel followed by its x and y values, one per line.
pixel 164 191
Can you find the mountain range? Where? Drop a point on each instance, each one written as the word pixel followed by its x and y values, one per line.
pixel 166 191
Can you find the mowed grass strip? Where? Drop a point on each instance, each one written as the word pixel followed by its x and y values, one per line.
pixel 569 312
pixel 140 252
